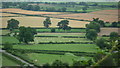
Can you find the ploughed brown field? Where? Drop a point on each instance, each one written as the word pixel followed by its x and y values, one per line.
pixel 105 15
pixel 38 22
pixel 15 10
pixel 107 31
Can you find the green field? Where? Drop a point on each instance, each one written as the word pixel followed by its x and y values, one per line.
pixel 40 59
pixel 6 61
pixel 57 30
pixel 9 39
pixel 60 47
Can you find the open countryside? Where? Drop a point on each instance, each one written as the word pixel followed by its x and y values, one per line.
pixel 59 34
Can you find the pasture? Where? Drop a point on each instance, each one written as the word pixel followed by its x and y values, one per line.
pixel 41 59
pixel 60 47
pixel 7 61
pixel 8 39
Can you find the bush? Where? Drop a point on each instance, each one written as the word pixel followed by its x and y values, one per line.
pixel 53 30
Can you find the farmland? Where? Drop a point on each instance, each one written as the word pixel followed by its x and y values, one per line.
pixel 6 61
pixel 47 35
pixel 106 15
pixel 38 22
pixel 20 11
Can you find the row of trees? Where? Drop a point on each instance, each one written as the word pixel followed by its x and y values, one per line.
pixel 106 24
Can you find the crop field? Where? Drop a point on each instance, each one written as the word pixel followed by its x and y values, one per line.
pixel 107 31
pixel 106 15
pixel 45 39
pixel 8 39
pixel 38 22
pixel 9 15
pixel 43 58
pixel 20 11
pixel 61 34
pixel 61 47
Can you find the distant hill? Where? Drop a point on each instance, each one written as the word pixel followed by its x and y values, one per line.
pixel 60 0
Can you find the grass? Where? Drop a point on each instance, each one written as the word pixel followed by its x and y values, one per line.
pixel 59 39
pixel 8 39
pixel 61 34
pixel 8 62
pixel 48 58
pixel 61 47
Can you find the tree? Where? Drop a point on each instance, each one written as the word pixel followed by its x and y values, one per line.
pixel 64 25
pixel 47 22
pixel 46 65
pixel 12 23
pixel 59 64
pixel 63 9
pixel 103 41
pixel 114 24
pixel 91 34
pixel 26 34
pixel 30 7
pixel 114 36
pixel 36 8
pixel 8 45
pixel 53 30
pixel 84 9
pixel 93 25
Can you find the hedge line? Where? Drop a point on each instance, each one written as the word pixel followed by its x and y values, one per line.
pixel 57 52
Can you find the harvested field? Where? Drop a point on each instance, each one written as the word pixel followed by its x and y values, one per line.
pixel 38 22
pixel 106 15
pixel 15 10
pixel 8 14
pixel 107 31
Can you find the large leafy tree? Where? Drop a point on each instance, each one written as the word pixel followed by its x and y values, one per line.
pixel 114 36
pixel 103 41
pixel 93 25
pixel 12 23
pixel 91 34
pixel 26 34
pixel 64 25
pixel 47 22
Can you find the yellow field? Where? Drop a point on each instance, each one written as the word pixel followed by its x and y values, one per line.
pixel 15 10
pixel 38 22
pixel 8 14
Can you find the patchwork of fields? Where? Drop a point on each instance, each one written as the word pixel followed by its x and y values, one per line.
pixel 105 15
pixel 38 22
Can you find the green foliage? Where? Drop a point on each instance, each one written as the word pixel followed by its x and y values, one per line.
pixel 102 43
pixel 53 30
pixel 108 62
pixel 93 25
pixel 47 22
pixel 59 64
pixel 8 45
pixel 64 25
pixel 26 34
pixel 12 23
pixel 114 36
pixel 91 34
